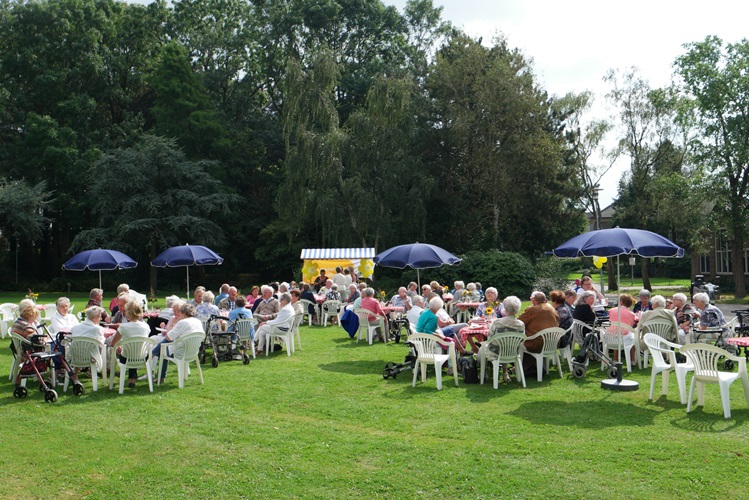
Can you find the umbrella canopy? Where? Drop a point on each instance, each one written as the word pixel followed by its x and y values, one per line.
pixel 100 260
pixel 186 256
pixel 417 256
pixel 619 241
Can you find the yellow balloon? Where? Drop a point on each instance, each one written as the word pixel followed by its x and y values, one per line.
pixel 599 262
pixel 310 270
pixel 366 268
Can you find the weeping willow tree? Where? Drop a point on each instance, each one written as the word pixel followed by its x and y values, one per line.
pixel 351 185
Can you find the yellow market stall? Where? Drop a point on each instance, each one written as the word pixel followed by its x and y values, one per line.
pixel 316 259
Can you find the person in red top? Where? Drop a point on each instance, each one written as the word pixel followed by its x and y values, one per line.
pixel 369 303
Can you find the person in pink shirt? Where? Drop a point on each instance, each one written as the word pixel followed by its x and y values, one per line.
pixel 624 314
pixel 369 303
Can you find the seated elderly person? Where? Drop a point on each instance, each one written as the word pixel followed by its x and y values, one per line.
pixel 710 316
pixel 121 288
pixel 428 323
pixel 62 320
pixel 90 329
pixel 94 299
pixel 584 309
pixel 327 286
pixel 413 289
pixel 507 323
pixel 197 296
pixel 660 313
pixel 207 307
pixel 565 315
pixel 186 323
pixel 586 285
pixel 449 328
pixel 492 308
pixel 416 309
pixel 401 299
pixel 372 305
pixel 539 316
pixel 166 313
pixel 285 313
pixel 26 323
pixel 131 328
pixel 333 293
pixel 685 314
pixel 644 304
pixel 353 294
pixel 267 306
pixel 228 302
pixel 120 316
pixel 296 296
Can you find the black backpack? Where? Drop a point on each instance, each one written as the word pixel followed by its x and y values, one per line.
pixel 469 369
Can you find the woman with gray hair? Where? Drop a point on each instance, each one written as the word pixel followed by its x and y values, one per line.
pixel 62 320
pixel 710 315
pixel 584 308
pixel 508 323
pixel 685 313
pixel 644 304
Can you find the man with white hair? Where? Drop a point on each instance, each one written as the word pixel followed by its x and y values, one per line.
pixel 228 303
pixel 223 293
pixel 401 299
pixel 659 312
pixel 416 309
pixel 285 312
pixel 685 313
pixel 266 307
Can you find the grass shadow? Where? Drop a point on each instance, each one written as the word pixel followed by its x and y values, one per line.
pixel 711 421
pixel 360 367
pixel 585 414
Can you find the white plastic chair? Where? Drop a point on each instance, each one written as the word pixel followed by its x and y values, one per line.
pixel 579 330
pixel 661 349
pixel 16 363
pixel 306 304
pixel 137 352
pixel 612 338
pixel 184 351
pixel 508 351
pixel 549 351
pixel 664 329
pixel 7 317
pixel 82 352
pixel 244 327
pixel 429 352
pixel 48 311
pixel 331 308
pixel 283 331
pixel 706 359
pixel 370 329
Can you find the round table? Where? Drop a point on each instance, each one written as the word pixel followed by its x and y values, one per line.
pixel 476 330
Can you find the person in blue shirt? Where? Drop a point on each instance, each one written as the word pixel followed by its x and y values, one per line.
pixel 224 292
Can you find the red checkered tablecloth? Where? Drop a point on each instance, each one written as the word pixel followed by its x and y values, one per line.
pixel 739 341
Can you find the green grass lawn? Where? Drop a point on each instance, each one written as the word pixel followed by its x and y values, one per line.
pixel 324 424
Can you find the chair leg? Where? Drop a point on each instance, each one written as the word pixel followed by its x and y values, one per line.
pixel 94 377
pixel 483 369
pixel 725 398
pixel 691 394
pixel 495 366
pixel 652 384
pixel 438 375
pixel 539 368
pixel 681 382
pixel 149 374
pixel 519 373
pixel 123 375
pixel 416 373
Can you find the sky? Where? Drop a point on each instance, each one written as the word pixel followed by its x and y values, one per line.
pixel 574 44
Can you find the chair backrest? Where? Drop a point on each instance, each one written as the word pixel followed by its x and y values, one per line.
pixel 365 316
pixel 331 306
pixel 660 349
pixel 243 327
pixel 579 330
pixel 613 335
pixel 18 341
pixel 6 310
pixel 136 350
pixel 307 304
pixel 49 310
pixel 664 329
pixel 298 318
pixel 551 338
pixel 706 359
pixel 140 298
pixel 427 345
pixel 80 351
pixel 506 345
pixel 190 343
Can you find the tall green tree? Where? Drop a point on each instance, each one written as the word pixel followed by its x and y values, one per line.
pixel 716 79
pixel 149 196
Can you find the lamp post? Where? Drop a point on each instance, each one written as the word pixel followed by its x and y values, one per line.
pixel 597 213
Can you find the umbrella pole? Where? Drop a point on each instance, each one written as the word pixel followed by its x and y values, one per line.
pixel 187 269
pixel 99 278
pixel 418 279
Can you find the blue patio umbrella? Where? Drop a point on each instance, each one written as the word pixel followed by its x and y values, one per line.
pixel 186 256
pixel 417 256
pixel 100 260
pixel 619 241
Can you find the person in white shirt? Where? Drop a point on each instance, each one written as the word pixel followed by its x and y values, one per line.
pixel 286 312
pixel 134 327
pixel 186 322
pixel 416 309
pixel 62 320
pixel 340 280
pixel 90 329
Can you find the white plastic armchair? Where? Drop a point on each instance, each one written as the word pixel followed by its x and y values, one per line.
pixel 429 352
pixel 549 351
pixel 7 317
pixel 48 311
pixel 507 347
pixel 283 331
pixel 82 352
pixel 137 352
pixel 370 329
pixel 612 338
pixel 244 328
pixel 183 351
pixel 306 304
pixel 706 359
pixel 297 334
pixel 579 330
pixel 331 308
pixel 664 361
pixel 664 329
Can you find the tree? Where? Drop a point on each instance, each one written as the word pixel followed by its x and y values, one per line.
pixel 716 79
pixel 150 197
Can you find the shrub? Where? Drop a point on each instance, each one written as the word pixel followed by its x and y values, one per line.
pixel 551 274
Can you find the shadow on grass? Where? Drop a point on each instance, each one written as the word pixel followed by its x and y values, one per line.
pixel 711 421
pixel 586 414
pixel 360 367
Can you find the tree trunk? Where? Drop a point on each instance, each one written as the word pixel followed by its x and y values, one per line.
pixel 611 270
pixel 645 270
pixel 737 264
